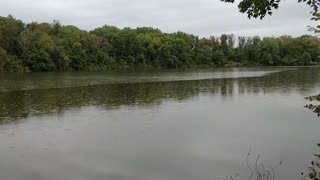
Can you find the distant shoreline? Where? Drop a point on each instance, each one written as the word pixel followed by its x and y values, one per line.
pixel 53 47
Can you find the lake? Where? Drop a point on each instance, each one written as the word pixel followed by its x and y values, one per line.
pixel 157 125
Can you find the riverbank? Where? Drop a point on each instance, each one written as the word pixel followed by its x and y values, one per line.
pixel 46 47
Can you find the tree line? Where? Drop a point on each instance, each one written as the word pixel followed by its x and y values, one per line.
pixel 56 47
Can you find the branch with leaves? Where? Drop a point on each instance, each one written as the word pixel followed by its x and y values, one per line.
pixel 313 172
pixel 314 105
pixel 261 8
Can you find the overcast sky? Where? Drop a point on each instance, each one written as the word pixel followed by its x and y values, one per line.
pixel 200 17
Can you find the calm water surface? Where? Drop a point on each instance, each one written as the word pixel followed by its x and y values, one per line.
pixel 163 125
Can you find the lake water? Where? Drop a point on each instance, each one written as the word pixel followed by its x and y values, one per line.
pixel 162 125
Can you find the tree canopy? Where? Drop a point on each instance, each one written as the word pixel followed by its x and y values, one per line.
pixel 56 47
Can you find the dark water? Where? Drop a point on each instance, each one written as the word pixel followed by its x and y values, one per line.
pixel 164 125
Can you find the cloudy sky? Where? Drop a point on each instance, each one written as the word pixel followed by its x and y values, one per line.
pixel 201 17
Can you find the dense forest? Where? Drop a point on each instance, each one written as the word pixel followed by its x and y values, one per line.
pixel 55 47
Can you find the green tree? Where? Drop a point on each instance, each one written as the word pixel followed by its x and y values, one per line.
pixel 10 28
pixel 269 52
pixel 39 59
pixel 3 58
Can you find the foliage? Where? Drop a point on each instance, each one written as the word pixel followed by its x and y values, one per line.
pixel 313 172
pixel 312 106
pixel 316 17
pixel 3 58
pixel 56 47
pixel 261 8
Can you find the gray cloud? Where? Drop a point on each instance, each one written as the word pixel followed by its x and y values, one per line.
pixel 201 17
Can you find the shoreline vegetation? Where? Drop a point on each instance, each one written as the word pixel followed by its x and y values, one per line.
pixel 42 47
